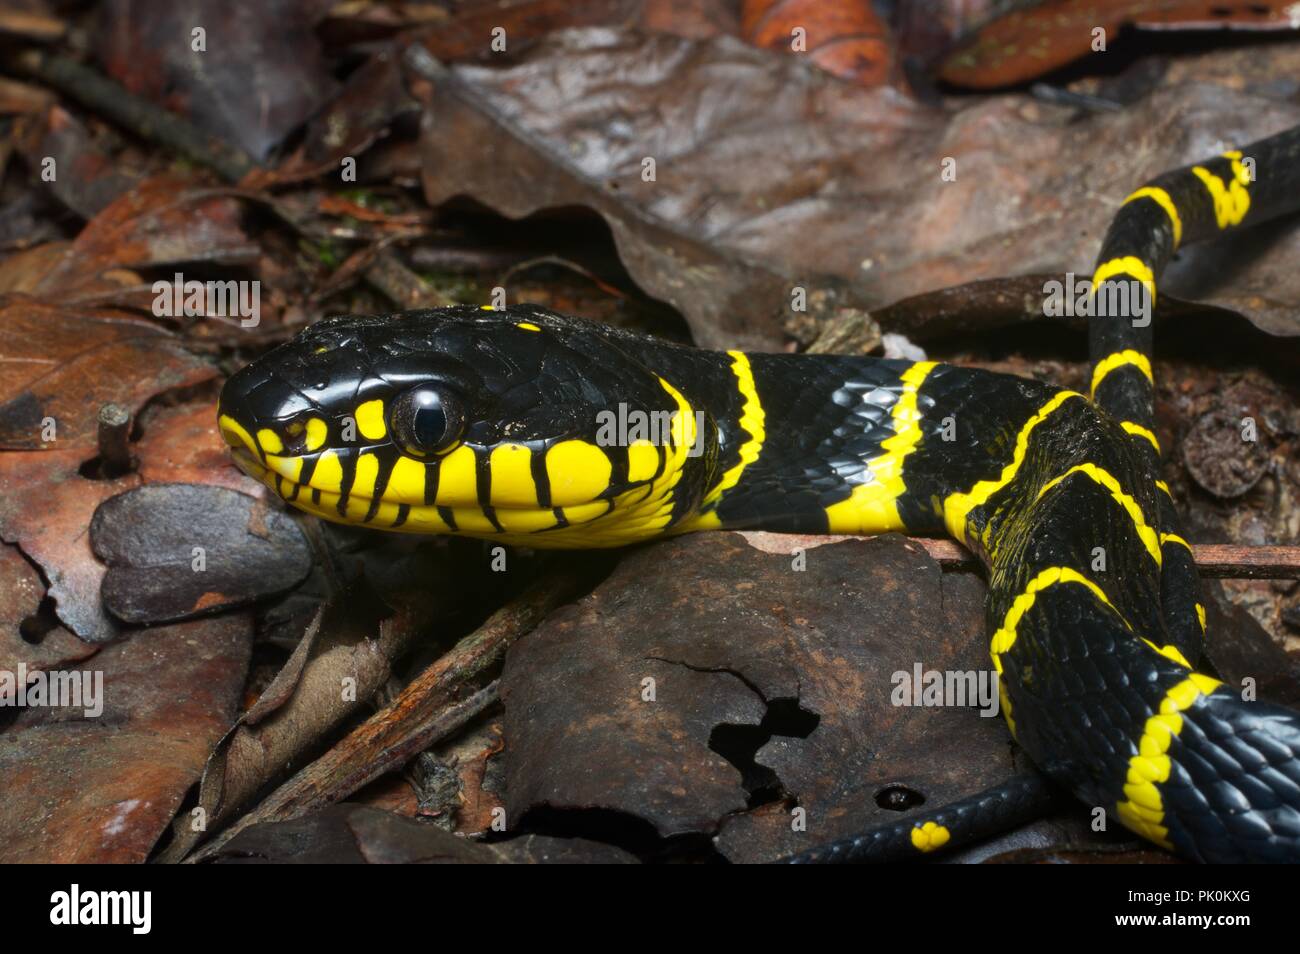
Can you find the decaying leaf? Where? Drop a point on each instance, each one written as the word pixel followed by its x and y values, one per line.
pixel 174 550
pixel 795 179
pixel 23 637
pixel 103 788
pixel 62 364
pixel 738 681
pixel 184 54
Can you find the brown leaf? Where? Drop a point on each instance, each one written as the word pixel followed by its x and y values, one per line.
pixel 259 77
pixel 1032 40
pixel 781 670
pixel 148 538
pixel 62 365
pixel 45 507
pixel 846 39
pixel 75 789
pixel 21 592
pixel 181 445
pixel 164 220
pixel 794 179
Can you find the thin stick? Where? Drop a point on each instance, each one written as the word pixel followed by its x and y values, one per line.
pixel 420 715
pixel 154 124
pixel 114 439
pixel 1221 560
pixel 1229 561
pixel 135 113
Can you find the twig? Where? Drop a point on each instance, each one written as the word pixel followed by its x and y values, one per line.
pixel 563 262
pixel 1233 562
pixel 154 124
pixel 399 283
pixel 1221 560
pixel 135 113
pixel 428 708
pixel 114 440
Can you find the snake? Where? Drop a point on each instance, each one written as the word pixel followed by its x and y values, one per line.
pixel 530 428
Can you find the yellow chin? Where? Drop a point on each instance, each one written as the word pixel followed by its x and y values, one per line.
pixel 638 514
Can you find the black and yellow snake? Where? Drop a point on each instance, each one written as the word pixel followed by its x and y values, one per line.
pixel 496 424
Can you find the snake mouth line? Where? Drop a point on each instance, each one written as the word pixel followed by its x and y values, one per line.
pixel 251 464
pixel 282 486
pixel 247 462
pixel 518 524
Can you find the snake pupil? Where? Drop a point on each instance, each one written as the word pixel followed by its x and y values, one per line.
pixel 426 420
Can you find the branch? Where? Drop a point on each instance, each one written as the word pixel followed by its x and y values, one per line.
pixel 148 121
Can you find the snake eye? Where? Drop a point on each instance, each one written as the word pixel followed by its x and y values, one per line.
pixel 425 421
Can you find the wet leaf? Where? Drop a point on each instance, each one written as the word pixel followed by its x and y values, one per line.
pixel 24 638
pixel 174 550
pixel 87 178
pixel 257 77
pixel 1030 40
pixel 103 789
pixel 573 121
pixel 61 365
pixel 768 684
pixel 847 39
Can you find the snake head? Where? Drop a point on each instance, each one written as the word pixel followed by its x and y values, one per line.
pixel 518 425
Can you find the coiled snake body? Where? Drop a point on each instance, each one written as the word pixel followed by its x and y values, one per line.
pixel 533 428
